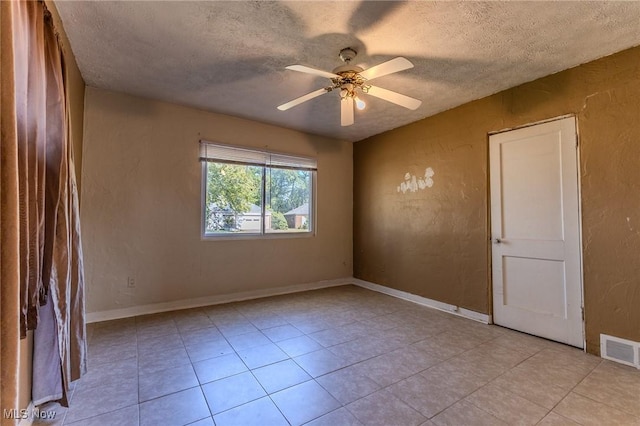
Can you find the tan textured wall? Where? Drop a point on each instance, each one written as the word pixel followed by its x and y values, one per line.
pixel 434 242
pixel 141 207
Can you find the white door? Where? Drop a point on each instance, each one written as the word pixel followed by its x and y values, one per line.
pixel 535 223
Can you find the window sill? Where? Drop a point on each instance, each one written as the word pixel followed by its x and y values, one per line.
pixel 270 236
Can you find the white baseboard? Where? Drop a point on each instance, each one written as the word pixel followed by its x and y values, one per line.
pixel 441 306
pixel 210 300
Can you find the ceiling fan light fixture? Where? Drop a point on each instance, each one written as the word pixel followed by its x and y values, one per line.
pixel 352 79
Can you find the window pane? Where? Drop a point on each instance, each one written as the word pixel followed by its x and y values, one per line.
pixel 288 200
pixel 233 200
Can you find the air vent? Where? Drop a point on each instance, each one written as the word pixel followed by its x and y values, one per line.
pixel 620 350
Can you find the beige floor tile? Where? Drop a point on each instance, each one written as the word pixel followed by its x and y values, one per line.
pixel 478 364
pixel 282 332
pixel 383 322
pixel 483 331
pixel 332 336
pixel 200 336
pixel 231 392
pixel 464 413
pixel 280 375
pixel 504 355
pixel 124 324
pixel 161 329
pixel 413 359
pixel 339 417
pixel 347 352
pixel 110 354
pixel 153 320
pixel 165 382
pixel 342 318
pixel 523 342
pixel 218 368
pixel 179 408
pixel 149 362
pixel 573 361
pixel 260 356
pixel 448 344
pixel 236 328
pixel 384 369
pixel 261 412
pixel 533 386
pixel 304 402
pixel 347 385
pixel 433 363
pixel 618 386
pixel 154 344
pixel 310 325
pixel 425 396
pixel 506 405
pixel 408 334
pixel 193 322
pixel 128 416
pixel 320 362
pixel 102 399
pixel 101 341
pixel 223 314
pixel 247 340
pixel 210 349
pixel 459 381
pixel 588 412
pixel 384 409
pixel 108 374
pixel 268 321
pixel 356 328
pixel 299 346
pixel 372 346
pixel 553 419
pixel 204 422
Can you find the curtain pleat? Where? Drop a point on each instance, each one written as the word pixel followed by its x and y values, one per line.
pixel 49 282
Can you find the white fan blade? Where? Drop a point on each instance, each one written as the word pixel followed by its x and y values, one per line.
pixel 309 70
pixel 346 111
pixel 302 99
pixel 394 97
pixel 385 68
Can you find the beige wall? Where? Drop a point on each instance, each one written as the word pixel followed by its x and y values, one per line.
pixel 434 243
pixel 141 207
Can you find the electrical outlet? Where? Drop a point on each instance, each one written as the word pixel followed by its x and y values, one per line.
pixel 131 282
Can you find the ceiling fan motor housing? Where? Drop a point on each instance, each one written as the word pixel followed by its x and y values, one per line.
pixel 347 54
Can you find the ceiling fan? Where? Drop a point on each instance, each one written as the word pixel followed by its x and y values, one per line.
pixel 352 80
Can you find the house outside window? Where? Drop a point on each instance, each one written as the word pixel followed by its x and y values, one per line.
pixel 256 193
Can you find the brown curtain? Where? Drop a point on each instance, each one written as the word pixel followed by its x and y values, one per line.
pixel 49 257
pixel 9 219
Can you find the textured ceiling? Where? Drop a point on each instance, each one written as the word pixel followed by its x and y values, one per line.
pixel 229 57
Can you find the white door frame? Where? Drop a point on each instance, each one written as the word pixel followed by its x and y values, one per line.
pixel 579 183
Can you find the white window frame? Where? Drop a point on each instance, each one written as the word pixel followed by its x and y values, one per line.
pixel 231 154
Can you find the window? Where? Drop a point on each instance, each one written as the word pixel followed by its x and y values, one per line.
pixel 250 192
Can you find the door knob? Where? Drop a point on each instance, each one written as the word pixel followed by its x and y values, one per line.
pixel 497 241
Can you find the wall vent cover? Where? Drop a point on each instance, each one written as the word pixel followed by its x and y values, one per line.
pixel 620 350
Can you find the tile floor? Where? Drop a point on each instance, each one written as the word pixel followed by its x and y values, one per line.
pixel 339 356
